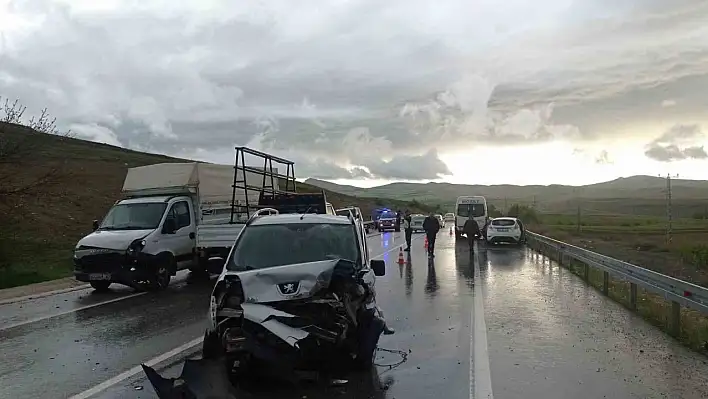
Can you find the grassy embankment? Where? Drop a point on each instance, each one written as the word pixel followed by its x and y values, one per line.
pixel 40 226
pixel 642 240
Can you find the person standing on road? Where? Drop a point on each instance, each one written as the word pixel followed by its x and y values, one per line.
pixel 431 225
pixel 407 230
pixel 398 220
pixel 471 229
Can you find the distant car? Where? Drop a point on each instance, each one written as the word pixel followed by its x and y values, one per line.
pixel 388 224
pixel 441 220
pixel 449 217
pixel 417 222
pixel 506 230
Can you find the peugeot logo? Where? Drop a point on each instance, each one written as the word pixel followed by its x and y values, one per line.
pixel 289 289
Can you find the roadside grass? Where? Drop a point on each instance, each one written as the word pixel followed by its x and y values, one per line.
pixel 641 241
pixel 41 227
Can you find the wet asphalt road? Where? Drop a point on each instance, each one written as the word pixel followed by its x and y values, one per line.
pixel 548 336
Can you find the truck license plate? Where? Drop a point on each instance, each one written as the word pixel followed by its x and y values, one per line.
pixel 99 276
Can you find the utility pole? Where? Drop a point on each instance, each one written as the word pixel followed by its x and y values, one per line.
pixel 669 211
pixel 577 221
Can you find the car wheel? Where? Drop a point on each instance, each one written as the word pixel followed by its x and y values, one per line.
pixel 100 286
pixel 211 347
pixel 369 333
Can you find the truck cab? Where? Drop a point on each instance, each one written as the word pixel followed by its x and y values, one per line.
pixel 141 242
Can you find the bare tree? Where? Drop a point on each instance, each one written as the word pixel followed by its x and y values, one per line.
pixel 20 148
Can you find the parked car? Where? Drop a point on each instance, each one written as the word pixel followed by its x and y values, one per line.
pixel 417 222
pixel 506 230
pixel 449 217
pixel 440 220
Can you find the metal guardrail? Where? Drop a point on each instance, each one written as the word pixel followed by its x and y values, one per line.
pixel 679 292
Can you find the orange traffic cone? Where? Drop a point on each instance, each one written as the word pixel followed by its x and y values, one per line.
pixel 400 256
pixel 426 242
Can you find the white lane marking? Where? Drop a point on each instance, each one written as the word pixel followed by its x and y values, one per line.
pixel 137 369
pixel 165 356
pixel 43 294
pixel 480 373
pixel 93 305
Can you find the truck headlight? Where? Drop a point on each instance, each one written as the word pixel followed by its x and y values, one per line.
pixel 136 246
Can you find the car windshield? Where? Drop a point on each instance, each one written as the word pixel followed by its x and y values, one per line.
pixel 471 210
pixel 273 245
pixel 143 216
pixel 503 222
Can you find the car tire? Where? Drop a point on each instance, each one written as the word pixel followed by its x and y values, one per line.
pixel 366 354
pixel 211 347
pixel 100 286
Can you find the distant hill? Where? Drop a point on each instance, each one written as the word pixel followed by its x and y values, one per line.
pixel 642 195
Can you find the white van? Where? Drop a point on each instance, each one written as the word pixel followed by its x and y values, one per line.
pixel 470 207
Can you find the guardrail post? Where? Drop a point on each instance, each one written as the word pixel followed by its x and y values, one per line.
pixel 605 283
pixel 633 296
pixel 586 272
pixel 675 319
pixel 560 257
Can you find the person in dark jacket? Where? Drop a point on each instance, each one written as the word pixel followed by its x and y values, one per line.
pixel 398 220
pixel 407 230
pixel 431 225
pixel 471 229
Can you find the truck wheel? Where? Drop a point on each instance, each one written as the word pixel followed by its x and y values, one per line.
pixel 163 273
pixel 100 286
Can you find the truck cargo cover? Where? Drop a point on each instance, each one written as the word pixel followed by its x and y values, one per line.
pixel 212 182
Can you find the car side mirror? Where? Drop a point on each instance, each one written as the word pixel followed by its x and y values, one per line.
pixel 95 225
pixel 170 226
pixel 379 267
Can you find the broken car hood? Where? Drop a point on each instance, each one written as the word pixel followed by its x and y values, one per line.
pixel 112 239
pixel 288 282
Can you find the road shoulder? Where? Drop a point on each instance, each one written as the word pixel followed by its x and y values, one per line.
pixel 24 292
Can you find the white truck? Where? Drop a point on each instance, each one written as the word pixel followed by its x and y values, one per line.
pixel 173 216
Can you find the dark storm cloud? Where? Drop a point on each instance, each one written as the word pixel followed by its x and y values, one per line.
pixel 676 144
pixel 355 89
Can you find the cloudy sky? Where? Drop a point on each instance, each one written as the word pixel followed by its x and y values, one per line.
pixel 364 91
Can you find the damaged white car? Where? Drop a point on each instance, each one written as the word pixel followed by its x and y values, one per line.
pixel 296 293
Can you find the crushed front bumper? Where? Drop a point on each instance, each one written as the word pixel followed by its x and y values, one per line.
pixel 200 379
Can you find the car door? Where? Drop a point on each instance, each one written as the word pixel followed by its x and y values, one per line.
pixel 182 241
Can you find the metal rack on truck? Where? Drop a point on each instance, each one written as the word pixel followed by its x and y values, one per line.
pixel 255 188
